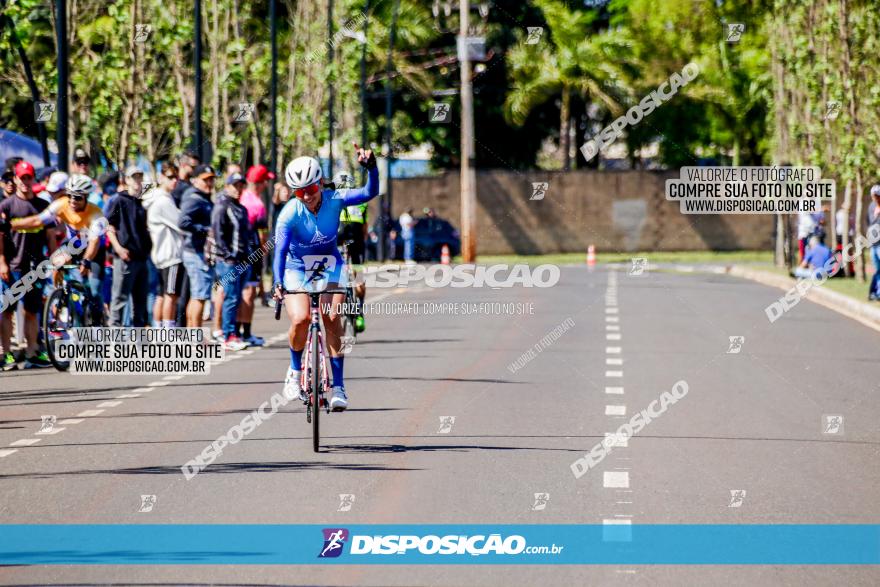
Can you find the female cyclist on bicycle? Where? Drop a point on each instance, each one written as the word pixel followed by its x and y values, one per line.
pixel 305 239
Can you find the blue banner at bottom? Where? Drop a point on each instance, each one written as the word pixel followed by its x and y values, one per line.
pixel 630 544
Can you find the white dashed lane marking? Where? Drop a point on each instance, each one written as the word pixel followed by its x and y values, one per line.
pixel 108 404
pixel 50 431
pixel 614 361
pixel 614 390
pixel 615 479
pixel 26 442
pixel 615 410
pixel 7 452
pixel 613 350
pixel 612 336
pixel 72 421
pixel 90 413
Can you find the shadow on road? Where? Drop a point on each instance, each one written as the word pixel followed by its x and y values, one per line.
pixel 406 340
pixel 386 448
pixel 218 468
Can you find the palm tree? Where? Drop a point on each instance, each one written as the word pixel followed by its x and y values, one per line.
pixel 571 59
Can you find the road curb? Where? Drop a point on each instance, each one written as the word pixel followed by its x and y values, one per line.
pixel 863 312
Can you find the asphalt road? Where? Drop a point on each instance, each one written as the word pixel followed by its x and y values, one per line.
pixel 752 421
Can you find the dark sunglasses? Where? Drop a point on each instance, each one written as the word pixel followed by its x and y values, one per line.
pixel 77 197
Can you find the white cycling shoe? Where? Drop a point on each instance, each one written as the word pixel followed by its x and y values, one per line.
pixel 339 401
pixel 292 390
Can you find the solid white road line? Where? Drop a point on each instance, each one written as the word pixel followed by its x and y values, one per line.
pixel 612 479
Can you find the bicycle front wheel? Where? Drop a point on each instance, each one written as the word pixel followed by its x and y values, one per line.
pixel 316 391
pixel 57 321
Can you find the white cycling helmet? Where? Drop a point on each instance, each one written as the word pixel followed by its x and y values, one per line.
pixel 79 184
pixel 302 172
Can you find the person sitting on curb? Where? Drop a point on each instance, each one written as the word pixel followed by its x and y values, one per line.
pixel 815 258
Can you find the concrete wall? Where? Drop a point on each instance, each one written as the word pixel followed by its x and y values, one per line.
pixel 613 210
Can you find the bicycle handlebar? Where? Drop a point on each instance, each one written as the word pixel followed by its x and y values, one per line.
pixel 284 292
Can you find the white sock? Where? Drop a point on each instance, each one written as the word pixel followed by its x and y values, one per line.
pixel 169 323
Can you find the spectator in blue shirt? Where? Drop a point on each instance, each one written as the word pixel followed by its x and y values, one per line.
pixel 816 257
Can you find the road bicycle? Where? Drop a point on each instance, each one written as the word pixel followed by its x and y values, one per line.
pixel 70 305
pixel 315 376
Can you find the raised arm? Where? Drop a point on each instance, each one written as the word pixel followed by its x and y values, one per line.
pixel 366 193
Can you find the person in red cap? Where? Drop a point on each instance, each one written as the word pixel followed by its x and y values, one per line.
pixel 252 199
pixel 20 254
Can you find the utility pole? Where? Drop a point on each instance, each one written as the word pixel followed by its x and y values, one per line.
pixel 273 88
pixel 385 202
pixel 468 178
pixel 197 58
pixel 61 106
pixel 330 57
pixel 364 142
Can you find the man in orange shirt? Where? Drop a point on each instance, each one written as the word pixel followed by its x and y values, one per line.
pixel 83 221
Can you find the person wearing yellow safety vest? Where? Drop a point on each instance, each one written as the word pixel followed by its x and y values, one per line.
pixel 353 227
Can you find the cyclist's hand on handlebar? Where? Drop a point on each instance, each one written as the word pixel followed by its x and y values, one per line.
pixel 365 157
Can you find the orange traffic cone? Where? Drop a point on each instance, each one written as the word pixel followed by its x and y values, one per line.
pixel 444 255
pixel 591 256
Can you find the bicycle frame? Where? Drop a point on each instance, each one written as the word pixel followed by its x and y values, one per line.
pixel 315 331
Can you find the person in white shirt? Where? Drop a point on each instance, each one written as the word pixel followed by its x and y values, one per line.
pixel 406 233
pixel 163 222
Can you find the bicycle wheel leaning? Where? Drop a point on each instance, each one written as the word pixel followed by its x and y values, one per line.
pixel 316 391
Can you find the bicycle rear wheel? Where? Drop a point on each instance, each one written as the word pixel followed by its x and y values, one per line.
pixel 315 363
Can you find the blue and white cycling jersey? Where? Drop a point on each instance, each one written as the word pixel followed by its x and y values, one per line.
pixel 304 239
